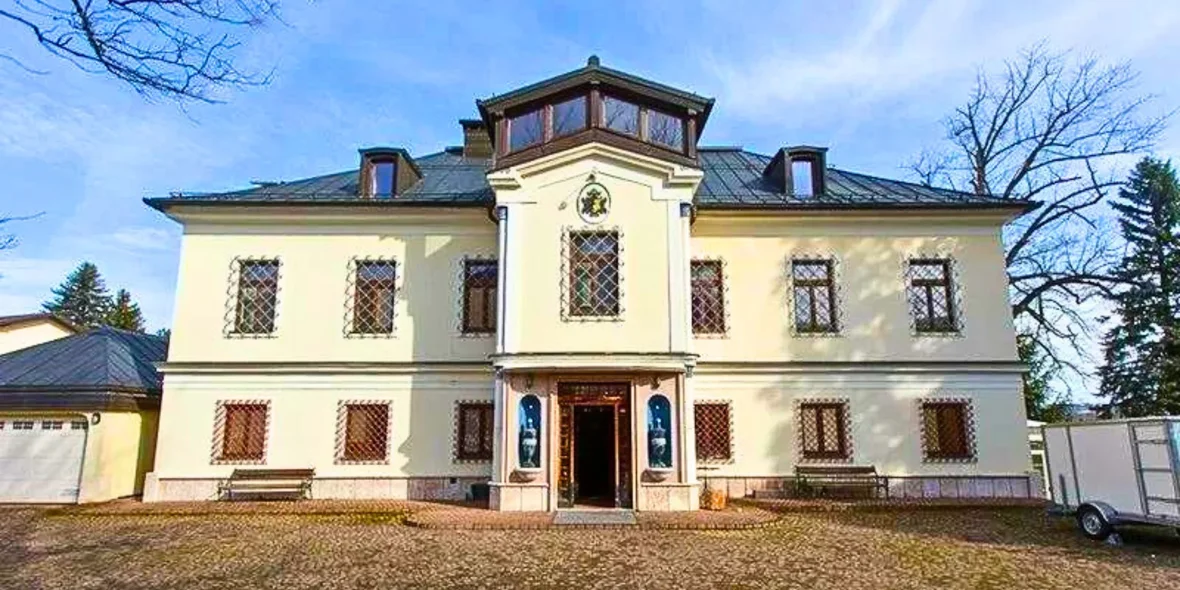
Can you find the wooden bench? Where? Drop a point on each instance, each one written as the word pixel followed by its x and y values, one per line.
pixel 846 477
pixel 291 484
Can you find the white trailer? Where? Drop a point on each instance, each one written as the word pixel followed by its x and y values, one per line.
pixel 1110 472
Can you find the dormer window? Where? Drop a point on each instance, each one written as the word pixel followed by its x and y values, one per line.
pixel 802 181
pixel 384 178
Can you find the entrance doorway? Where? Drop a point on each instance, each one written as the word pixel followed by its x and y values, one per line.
pixel 594 455
pixel 594 461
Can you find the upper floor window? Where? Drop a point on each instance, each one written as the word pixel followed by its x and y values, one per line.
pixel 930 292
pixel 814 296
pixel 258 294
pixel 594 274
pixel 708 297
pixel 383 178
pixel 569 116
pixel 479 296
pixel 664 129
pixel 526 129
pixel 373 297
pixel 620 115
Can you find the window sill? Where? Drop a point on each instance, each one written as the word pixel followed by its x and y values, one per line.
pixel 251 335
pixel 950 459
pixel 221 461
pixel 370 335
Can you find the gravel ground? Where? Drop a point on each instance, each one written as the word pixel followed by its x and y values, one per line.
pixel 968 548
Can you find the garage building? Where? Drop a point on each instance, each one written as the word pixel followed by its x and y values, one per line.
pixel 78 417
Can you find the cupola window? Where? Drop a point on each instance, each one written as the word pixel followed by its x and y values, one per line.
pixel 666 130
pixel 526 130
pixel 620 115
pixel 569 116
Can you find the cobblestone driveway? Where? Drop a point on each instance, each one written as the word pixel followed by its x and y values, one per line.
pixel 1014 548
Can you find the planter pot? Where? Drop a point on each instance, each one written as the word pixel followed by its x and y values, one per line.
pixel 658 474
pixel 713 499
pixel 526 474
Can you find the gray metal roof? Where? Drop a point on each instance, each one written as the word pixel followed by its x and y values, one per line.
pixel 102 360
pixel 733 179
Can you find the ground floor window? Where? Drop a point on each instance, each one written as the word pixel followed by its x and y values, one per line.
pixel 242 430
pixel 713 432
pixel 823 427
pixel 363 432
pixel 474 432
pixel 947 430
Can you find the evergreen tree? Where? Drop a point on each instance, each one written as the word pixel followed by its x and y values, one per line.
pixel 1040 403
pixel 124 313
pixel 1141 370
pixel 82 298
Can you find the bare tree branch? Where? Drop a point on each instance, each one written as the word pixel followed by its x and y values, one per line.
pixel 9 240
pixel 1050 128
pixel 181 49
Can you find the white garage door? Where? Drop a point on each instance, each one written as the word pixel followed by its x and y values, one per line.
pixel 40 459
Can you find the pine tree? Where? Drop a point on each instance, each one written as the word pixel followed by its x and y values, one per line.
pixel 82 298
pixel 124 313
pixel 1141 372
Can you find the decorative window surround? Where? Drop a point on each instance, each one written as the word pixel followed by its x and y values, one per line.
pixel 729 459
pixel 566 269
pixel 956 289
pixel 219 432
pixel 230 329
pixel 968 429
pixel 350 297
pixel 342 430
pixel 460 294
pixel 846 420
pixel 724 311
pixel 837 294
pixel 457 416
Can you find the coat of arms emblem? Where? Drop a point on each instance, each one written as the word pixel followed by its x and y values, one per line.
pixel 593 202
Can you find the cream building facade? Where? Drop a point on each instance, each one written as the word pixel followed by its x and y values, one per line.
pixel 580 305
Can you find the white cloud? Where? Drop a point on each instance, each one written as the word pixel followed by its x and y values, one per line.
pixel 144 238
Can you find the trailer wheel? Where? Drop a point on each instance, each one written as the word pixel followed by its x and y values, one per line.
pixel 1093 523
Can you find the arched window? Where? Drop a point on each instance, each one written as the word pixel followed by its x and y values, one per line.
pixel 529 419
pixel 659 432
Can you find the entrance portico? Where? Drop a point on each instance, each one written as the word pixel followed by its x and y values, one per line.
pixel 606 436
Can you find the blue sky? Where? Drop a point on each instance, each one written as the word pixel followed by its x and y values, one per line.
pixel 871 80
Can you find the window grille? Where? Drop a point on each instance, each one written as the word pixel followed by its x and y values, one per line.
pixel 593 260
pixel 52 425
pixel 813 293
pixel 244 432
pixel 373 297
pixel 824 430
pixel 713 431
pixel 475 428
pixel 947 431
pixel 931 296
pixel 708 297
pixel 257 296
pixel 364 432
pixel 479 296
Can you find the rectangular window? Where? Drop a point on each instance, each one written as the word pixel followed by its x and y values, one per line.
pixel 366 432
pixel 52 425
pixel 244 438
pixel 814 295
pixel 373 297
pixel 594 274
pixel 22 424
pixel 526 130
pixel 945 430
pixel 708 297
pixel 475 432
pixel 823 426
pixel 620 115
pixel 665 130
pixel 931 301
pixel 78 425
pixel 479 296
pixel 569 116
pixel 384 174
pixel 258 293
pixel 802 181
pixel 712 424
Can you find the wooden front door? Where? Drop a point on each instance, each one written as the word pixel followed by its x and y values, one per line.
pixel 594 447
